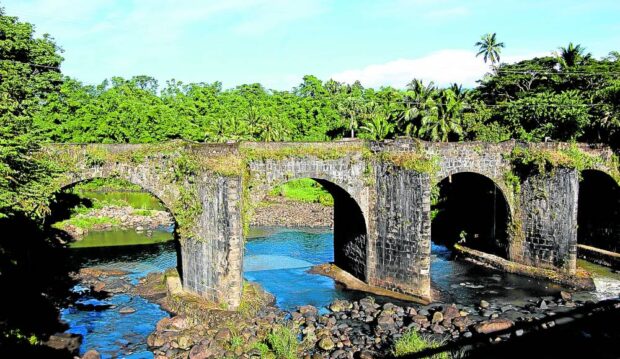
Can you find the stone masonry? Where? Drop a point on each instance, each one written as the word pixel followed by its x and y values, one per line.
pixel 382 223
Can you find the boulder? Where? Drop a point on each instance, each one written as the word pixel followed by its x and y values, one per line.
pixel 493 325
pixel 326 344
pixel 437 318
pixel 566 296
pixel 340 305
pixel 91 354
pixel 451 312
pixel 64 341
pixel 126 310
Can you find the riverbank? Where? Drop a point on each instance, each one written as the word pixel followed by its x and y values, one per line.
pixel 114 217
pixel 285 212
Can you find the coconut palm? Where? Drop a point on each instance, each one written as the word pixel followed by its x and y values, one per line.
pixel 351 108
pixel 490 48
pixel 377 127
pixel 572 55
pixel 416 102
pixel 443 117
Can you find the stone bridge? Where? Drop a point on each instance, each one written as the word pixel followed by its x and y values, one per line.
pixel 382 198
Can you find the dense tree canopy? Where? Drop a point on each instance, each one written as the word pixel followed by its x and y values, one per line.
pixel 568 97
pixel 28 75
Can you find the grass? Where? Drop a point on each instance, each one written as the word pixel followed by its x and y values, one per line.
pixel 143 212
pixel 411 342
pixel 106 185
pixel 304 190
pixel 86 222
pixel 283 342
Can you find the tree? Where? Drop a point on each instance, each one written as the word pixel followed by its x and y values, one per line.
pixel 29 71
pixel 572 55
pixel 443 118
pixel 490 48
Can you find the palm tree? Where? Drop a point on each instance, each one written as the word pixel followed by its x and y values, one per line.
pixel 572 55
pixel 415 104
pixel 490 48
pixel 351 109
pixel 377 127
pixel 443 118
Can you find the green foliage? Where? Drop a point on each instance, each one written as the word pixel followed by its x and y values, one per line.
pixel 263 349
pixel 106 185
pixel 528 161
pixel 560 116
pixel 416 161
pixel 411 342
pixel 325 151
pixel 304 190
pixel 86 222
pixel 28 74
pixel 236 342
pixel 283 342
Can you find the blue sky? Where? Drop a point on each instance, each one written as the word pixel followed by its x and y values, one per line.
pixel 276 42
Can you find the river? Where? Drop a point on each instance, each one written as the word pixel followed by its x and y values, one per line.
pixel 278 259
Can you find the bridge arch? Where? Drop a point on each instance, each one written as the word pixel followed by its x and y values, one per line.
pixel 350 227
pixel 69 183
pixel 471 208
pixel 598 210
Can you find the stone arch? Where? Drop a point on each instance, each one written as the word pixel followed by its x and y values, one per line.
pixel 476 205
pixel 495 176
pixel 350 224
pixel 86 177
pixel 598 210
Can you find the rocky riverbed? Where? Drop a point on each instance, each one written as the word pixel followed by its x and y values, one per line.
pixel 366 328
pixel 283 212
pixel 352 329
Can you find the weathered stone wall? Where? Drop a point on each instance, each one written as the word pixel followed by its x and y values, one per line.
pixel 213 262
pixel 382 210
pixel 549 220
pixel 401 251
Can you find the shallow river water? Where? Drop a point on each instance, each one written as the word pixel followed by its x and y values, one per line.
pixel 278 259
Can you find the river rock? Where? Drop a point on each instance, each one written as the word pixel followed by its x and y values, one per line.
pixel 326 344
pixel 223 335
pixel 126 310
pixel 91 354
pixel 64 341
pixel 366 354
pixel 437 318
pixel 385 321
pixel 493 325
pixel 340 305
pixel 206 349
pixel 307 310
pixel 451 312
pixel 566 296
pixel 484 304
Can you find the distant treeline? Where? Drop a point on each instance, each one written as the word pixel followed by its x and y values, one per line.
pixel 568 97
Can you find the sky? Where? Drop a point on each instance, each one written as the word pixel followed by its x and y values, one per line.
pixel 277 42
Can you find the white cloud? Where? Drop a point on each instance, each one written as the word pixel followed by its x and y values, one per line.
pixel 442 67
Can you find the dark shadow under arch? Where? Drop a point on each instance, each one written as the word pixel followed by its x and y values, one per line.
pixel 350 233
pixel 598 213
pixel 470 208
